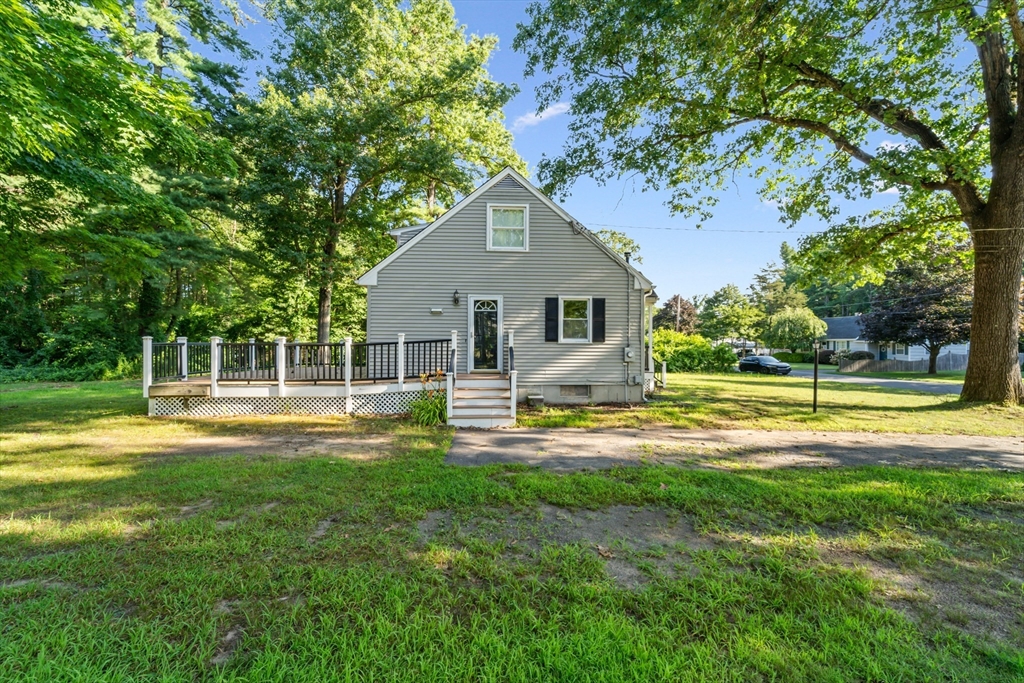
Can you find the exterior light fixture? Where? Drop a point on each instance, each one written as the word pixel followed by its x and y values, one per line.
pixel 455 297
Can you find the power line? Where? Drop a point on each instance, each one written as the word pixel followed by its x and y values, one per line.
pixel 674 228
pixel 701 229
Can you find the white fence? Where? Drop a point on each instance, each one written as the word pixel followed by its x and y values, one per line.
pixel 946 362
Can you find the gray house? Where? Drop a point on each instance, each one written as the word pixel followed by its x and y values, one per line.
pixel 536 305
pixel 845 333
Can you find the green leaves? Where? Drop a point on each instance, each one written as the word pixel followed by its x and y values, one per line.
pixel 822 101
pixel 793 328
pixel 728 314
pixel 379 114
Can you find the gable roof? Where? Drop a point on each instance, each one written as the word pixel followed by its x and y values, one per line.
pixel 369 278
pixel 843 327
pixel 403 235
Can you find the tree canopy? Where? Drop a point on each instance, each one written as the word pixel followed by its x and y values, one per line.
pixel 677 314
pixel 793 328
pixel 923 302
pixel 727 314
pixel 377 115
pixel 823 102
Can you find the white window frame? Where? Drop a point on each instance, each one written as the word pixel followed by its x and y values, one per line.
pixel 526 226
pixel 590 319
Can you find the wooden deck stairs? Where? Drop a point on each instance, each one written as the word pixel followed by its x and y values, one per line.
pixel 482 401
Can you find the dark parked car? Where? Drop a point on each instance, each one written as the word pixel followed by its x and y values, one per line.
pixel 766 365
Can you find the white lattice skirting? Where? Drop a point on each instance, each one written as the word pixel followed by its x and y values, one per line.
pixel 390 403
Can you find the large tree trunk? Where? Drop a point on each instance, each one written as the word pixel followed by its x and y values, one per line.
pixel 992 370
pixel 323 316
pixel 148 312
pixel 933 358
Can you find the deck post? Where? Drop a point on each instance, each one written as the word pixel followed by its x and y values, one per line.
pixel 514 390
pixel 280 362
pixel 513 374
pixel 449 391
pixel 401 361
pixel 511 345
pixel 450 376
pixel 182 357
pixel 348 375
pixel 147 365
pixel 252 355
pixel 455 348
pixel 214 365
pixel 664 374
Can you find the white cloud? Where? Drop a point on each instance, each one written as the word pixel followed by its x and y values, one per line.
pixel 879 185
pixel 533 118
pixel 887 145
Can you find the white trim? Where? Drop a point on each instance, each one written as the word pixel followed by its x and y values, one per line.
pixel 398 231
pixel 590 319
pixel 369 278
pixel 471 334
pixel 526 226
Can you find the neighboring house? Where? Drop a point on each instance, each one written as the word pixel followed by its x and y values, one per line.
pixel 507 263
pixel 845 333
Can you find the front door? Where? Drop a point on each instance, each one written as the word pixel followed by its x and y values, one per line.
pixel 485 334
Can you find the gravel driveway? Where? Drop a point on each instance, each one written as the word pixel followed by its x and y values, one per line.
pixel 574 449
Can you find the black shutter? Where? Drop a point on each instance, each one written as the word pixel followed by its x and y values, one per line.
pixel 551 319
pixel 598 326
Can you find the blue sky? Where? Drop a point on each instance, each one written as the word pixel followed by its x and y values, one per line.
pixel 678 258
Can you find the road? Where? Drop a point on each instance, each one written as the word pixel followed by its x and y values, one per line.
pixel 913 385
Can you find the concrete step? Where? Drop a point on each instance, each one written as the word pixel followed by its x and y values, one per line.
pixel 485 422
pixel 481 411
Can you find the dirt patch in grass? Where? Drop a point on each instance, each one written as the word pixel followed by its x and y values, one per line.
pixel 188 511
pixel 228 645
pixel 350 447
pixel 41 583
pixel 983 603
pixel 321 530
pixel 634 543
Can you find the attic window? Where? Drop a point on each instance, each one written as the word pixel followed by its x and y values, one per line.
pixel 508 228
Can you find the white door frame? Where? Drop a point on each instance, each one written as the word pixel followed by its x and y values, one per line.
pixel 471 335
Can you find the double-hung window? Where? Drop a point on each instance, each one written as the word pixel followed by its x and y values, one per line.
pixel 508 228
pixel 574 320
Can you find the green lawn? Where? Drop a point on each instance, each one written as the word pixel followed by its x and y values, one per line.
pixel 951 376
pixel 749 401
pixel 122 561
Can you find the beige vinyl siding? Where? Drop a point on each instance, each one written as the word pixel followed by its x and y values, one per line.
pixel 558 263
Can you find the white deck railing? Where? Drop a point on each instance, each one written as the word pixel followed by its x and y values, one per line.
pixel 281 363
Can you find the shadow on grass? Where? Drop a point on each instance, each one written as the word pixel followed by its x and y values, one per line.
pixel 143 555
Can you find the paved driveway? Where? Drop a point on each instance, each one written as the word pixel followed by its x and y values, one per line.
pixel 914 385
pixel 573 449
